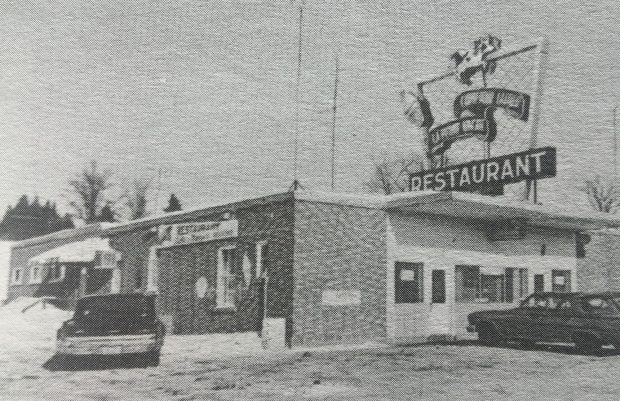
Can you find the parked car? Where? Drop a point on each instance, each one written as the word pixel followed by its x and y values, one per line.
pixel 114 324
pixel 588 320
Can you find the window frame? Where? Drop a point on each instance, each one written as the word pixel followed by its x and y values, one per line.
pixel 36 278
pixel 524 283
pixel 18 271
pixel 482 276
pixel 57 267
pixel 221 299
pixel 259 261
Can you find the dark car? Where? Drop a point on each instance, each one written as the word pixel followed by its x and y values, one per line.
pixel 114 324
pixel 588 320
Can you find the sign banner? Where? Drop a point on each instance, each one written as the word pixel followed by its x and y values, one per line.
pixel 529 165
pixel 190 233
pixel 516 104
pixel 441 137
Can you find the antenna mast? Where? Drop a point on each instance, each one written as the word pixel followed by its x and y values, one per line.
pixel 335 107
pixel 615 145
pixel 301 19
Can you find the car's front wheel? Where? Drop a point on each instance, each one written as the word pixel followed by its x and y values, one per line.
pixel 488 334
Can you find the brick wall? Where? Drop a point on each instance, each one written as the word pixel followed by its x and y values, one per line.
pixel 599 270
pixel 338 248
pixel 179 268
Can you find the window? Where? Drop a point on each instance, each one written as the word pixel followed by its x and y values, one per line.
pixel 408 284
pixel 473 286
pixel 57 272
pixel 17 276
pixel 467 283
pixel 225 293
pixel 35 274
pixel 261 258
pixel 438 287
pixel 491 288
pixel 597 305
pixel 509 274
pixel 560 281
pixel 523 284
pixel 537 301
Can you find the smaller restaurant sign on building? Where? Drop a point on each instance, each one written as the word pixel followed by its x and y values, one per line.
pixel 507 169
pixel 190 233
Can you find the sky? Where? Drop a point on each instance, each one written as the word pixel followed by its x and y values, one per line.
pixel 204 91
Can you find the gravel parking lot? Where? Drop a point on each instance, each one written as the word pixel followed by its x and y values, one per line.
pixel 234 367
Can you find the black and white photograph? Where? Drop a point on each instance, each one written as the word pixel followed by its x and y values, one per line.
pixel 309 200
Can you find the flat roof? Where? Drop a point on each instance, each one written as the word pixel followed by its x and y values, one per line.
pixel 69 233
pixel 455 204
pixel 497 208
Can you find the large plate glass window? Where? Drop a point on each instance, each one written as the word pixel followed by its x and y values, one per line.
pixel 473 286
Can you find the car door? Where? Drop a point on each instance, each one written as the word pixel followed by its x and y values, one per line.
pixel 523 319
pixel 554 322
pixel 597 313
pixel 542 316
pixel 567 317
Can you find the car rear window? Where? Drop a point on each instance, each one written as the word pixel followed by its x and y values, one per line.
pixel 114 306
pixel 597 304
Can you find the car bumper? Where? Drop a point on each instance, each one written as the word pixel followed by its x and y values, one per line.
pixel 107 345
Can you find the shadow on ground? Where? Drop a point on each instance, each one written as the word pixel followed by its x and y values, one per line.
pixel 554 348
pixel 95 362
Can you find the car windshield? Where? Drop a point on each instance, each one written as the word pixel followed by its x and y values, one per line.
pixel 100 307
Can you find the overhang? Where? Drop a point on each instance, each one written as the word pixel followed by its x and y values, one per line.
pixel 487 208
pixel 76 252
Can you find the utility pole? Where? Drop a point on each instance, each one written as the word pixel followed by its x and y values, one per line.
pixel 335 107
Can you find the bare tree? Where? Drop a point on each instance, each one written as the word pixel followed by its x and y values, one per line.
pixel 392 176
pixel 136 199
pixel 89 192
pixel 603 194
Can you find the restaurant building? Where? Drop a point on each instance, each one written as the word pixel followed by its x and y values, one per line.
pixel 348 268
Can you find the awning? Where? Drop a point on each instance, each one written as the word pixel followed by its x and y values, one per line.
pixel 77 252
pixel 498 208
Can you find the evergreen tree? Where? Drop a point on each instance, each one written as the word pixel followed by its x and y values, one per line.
pixel 174 205
pixel 22 206
pixel 106 214
pixel 27 220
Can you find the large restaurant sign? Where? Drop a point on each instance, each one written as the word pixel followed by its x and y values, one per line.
pixel 507 169
pixel 191 233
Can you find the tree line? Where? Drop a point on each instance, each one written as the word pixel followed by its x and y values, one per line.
pixel 93 195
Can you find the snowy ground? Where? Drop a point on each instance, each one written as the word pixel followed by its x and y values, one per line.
pixel 234 367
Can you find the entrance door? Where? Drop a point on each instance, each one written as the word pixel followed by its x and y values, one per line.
pixel 440 322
